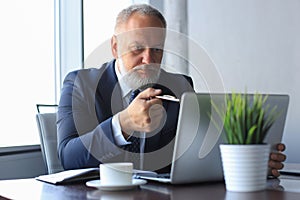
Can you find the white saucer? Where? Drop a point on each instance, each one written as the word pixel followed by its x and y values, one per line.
pixel 97 184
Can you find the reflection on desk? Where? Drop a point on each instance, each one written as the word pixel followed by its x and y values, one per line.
pixel 282 188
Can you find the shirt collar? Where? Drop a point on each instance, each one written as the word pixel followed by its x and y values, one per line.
pixel 125 90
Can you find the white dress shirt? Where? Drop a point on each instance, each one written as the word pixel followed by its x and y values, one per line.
pixel 117 132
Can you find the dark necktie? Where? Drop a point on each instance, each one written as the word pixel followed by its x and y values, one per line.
pixel 133 95
pixel 135 141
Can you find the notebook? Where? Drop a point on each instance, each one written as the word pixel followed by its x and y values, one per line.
pixel 196 155
pixel 70 176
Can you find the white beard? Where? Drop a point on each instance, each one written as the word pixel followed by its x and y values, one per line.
pixel 134 79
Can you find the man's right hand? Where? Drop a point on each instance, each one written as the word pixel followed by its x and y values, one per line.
pixel 144 114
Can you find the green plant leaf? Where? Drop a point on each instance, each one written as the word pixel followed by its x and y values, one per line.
pixel 245 122
pixel 250 135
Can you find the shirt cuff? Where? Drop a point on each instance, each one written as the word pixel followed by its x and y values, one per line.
pixel 117 132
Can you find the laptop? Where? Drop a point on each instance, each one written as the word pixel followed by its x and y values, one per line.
pixel 196 154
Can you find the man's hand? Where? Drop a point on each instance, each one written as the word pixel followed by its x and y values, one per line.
pixel 276 159
pixel 145 113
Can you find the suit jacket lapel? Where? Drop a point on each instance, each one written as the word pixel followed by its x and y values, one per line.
pixel 108 91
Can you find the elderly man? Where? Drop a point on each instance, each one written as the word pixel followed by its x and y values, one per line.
pixel 113 113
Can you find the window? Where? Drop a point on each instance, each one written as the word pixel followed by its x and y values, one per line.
pixel 99 21
pixel 28 76
pixel 27 67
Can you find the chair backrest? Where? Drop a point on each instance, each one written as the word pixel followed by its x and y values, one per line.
pixel 46 123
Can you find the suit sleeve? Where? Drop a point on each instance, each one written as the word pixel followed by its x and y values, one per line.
pixel 83 141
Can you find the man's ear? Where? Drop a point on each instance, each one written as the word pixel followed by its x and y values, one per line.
pixel 114 46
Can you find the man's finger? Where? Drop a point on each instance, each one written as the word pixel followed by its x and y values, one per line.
pixel 149 93
pixel 275 172
pixel 275 165
pixel 280 147
pixel 278 157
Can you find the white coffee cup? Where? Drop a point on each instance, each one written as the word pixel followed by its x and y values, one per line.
pixel 116 173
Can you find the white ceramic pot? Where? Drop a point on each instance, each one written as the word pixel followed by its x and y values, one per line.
pixel 245 167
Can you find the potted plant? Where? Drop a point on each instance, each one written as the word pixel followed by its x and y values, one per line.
pixel 246 121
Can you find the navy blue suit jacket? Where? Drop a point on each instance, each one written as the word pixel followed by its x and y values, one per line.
pixel 89 99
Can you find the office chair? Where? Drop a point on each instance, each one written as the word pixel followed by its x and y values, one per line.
pixel 46 123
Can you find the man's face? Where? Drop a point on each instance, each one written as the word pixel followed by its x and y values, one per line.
pixel 139 49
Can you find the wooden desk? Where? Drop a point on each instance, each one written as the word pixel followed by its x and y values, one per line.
pixel 33 189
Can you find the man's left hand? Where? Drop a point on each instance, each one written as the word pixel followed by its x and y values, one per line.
pixel 276 159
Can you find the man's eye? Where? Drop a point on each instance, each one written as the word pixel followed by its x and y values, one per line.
pixel 139 47
pixel 157 50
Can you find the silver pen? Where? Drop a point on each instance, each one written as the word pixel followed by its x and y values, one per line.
pixel 168 98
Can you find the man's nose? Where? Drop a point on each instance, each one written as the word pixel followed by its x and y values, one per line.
pixel 147 56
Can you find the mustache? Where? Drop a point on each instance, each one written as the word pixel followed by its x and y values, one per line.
pixel 147 67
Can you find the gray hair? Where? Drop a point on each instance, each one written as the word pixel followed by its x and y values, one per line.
pixel 142 9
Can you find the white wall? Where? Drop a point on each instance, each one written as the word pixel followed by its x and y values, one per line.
pixel 255 45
